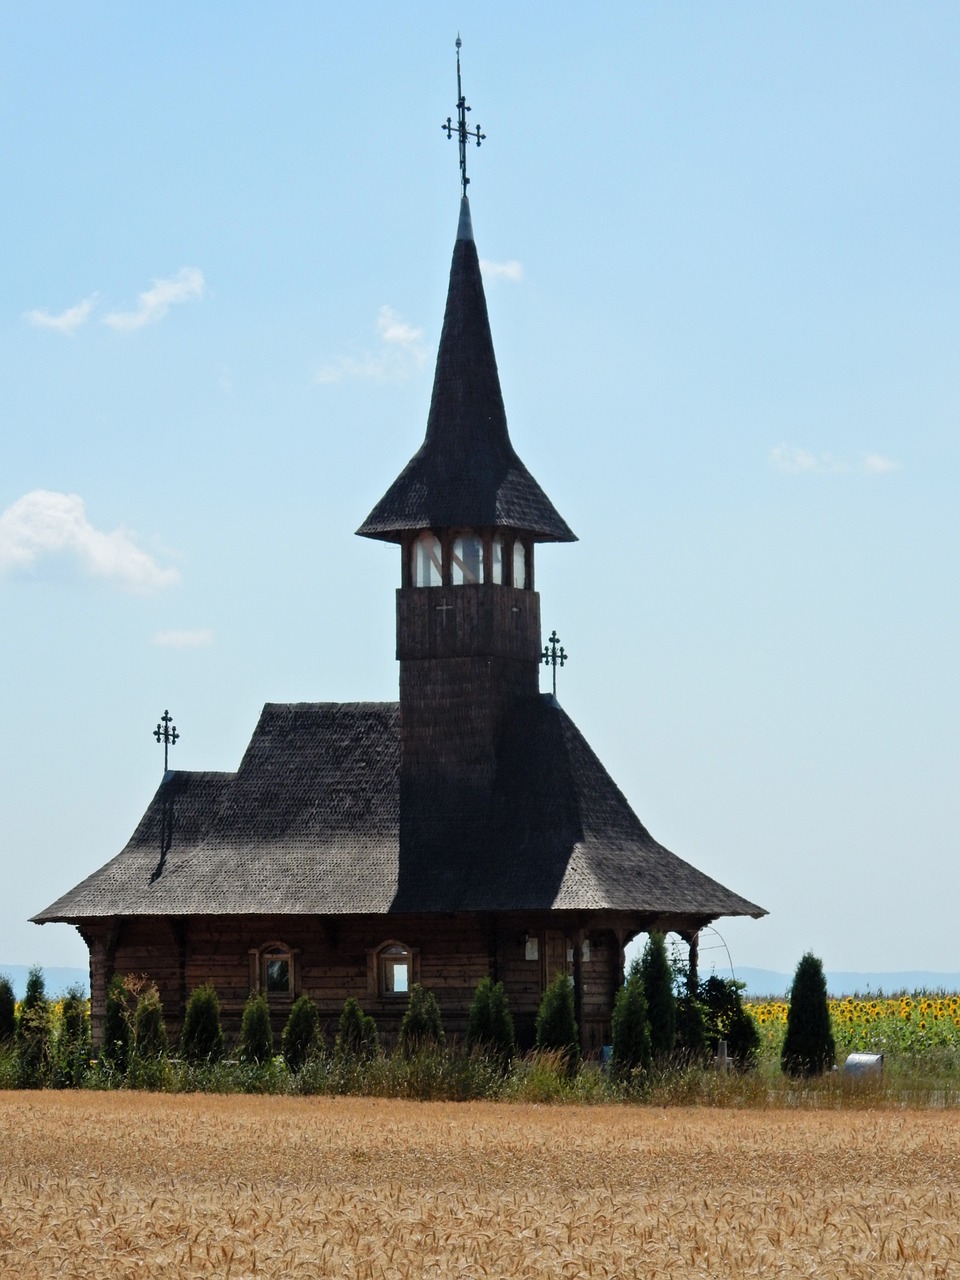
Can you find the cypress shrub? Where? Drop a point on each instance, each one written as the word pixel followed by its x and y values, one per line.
pixel 691 1029
pixel 631 1030
pixel 117 1025
pixel 256 1033
pixel 34 1035
pixel 808 1047
pixel 201 1039
pixel 358 1039
pixel 72 1056
pixel 301 1033
pixel 556 1025
pixel 421 1026
pixel 149 1041
pixel 661 1001
pixel 8 1009
pixel 490 1025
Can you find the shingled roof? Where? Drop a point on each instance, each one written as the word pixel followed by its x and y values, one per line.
pixel 466 473
pixel 312 822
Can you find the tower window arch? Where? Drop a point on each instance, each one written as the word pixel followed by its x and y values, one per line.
pixel 426 561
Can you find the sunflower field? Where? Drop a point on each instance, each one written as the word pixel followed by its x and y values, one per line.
pixel 910 1026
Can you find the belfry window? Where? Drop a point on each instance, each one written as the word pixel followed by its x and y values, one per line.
pixel 394 969
pixel 427 561
pixel 496 562
pixel 519 564
pixel 467 564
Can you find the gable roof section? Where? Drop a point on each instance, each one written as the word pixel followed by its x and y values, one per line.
pixel 466 473
pixel 311 823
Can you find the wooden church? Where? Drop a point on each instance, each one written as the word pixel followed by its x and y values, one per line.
pixel 464 831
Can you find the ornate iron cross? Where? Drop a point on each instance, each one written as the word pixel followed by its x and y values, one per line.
pixel 166 732
pixel 463 133
pixel 554 655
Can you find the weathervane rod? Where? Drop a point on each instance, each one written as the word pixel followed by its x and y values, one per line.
pixel 463 133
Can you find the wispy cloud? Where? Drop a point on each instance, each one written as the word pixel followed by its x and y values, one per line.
pixel 400 353
pixel 795 461
pixel 512 270
pixel 184 639
pixel 43 523
pixel 155 302
pixel 67 321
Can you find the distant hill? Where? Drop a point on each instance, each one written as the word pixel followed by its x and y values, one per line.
pixel 767 982
pixel 55 980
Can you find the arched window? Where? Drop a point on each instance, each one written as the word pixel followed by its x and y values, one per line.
pixel 394 969
pixel 519 564
pixel 467 560
pixel 272 969
pixel 496 564
pixel 427 561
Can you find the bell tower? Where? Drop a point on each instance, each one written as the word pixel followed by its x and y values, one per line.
pixel 467 516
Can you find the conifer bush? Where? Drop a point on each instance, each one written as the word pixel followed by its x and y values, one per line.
pixel 301 1034
pixel 556 1026
pixel 727 1019
pixel 490 1025
pixel 256 1033
pixel 631 1030
pixel 421 1026
pixel 808 1046
pixel 34 1035
pixel 72 1054
pixel 117 1025
pixel 358 1039
pixel 149 1040
pixel 8 1010
pixel 201 1039
pixel 657 979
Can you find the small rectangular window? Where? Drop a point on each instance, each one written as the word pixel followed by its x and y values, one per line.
pixel 532 949
pixel 278 975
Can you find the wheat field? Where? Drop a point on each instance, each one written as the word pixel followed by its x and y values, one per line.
pixel 126 1185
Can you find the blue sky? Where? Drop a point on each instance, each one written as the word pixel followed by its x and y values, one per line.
pixel 722 272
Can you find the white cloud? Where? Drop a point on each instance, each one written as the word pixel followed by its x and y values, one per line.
pixel 154 303
pixel 184 639
pixel 800 461
pixel 512 270
pixel 878 465
pixel 42 523
pixel 67 321
pixel 400 353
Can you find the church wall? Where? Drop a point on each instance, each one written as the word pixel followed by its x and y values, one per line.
pixel 336 957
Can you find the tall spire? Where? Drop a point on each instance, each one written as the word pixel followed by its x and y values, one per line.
pixel 463 133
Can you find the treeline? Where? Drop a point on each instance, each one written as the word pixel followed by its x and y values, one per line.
pixel 655 1032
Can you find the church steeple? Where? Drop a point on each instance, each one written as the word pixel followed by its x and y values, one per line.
pixel 466 473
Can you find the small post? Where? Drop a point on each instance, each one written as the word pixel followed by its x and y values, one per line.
pixel 166 732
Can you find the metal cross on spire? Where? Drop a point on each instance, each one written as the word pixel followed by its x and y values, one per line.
pixel 166 732
pixel 463 133
pixel 554 655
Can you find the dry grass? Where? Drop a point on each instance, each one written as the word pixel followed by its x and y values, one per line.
pixel 136 1185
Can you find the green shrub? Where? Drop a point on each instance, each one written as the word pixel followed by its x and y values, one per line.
pixel 631 1030
pixel 117 1025
pixel 808 1047
pixel 302 1032
pixel 490 1026
pixel 149 1042
pixel 256 1033
pixel 34 1035
pixel 357 1037
pixel 661 1002
pixel 421 1026
pixel 726 1019
pixel 556 1025
pixel 691 1030
pixel 201 1039
pixel 72 1053
pixel 8 1010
